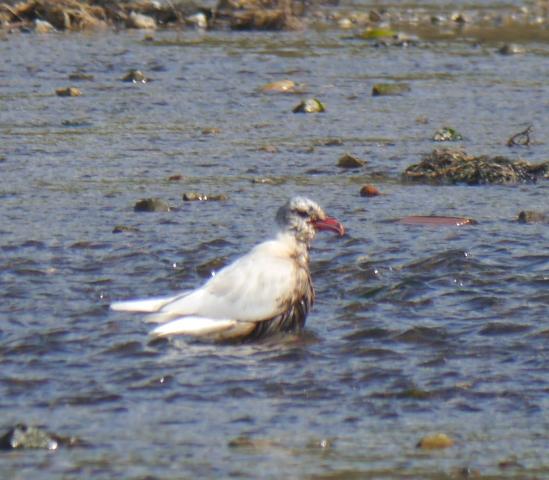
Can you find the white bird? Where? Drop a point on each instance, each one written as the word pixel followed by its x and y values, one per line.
pixel 268 290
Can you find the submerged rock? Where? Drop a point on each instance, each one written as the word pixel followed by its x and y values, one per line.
pixel 151 205
pixel 350 161
pixel 311 105
pixel 382 89
pixel 23 436
pixel 124 229
pixel 529 216
pixel 280 86
pixel 510 49
pixel 81 76
pixel 68 92
pixel 447 134
pixel 451 167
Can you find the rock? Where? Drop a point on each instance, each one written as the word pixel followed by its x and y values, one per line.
pixel 135 76
pixel 435 441
pixel 151 205
pixel 460 18
pixel 437 220
pixel 384 89
pixel 264 19
pixel 41 26
pixel 510 49
pixel 201 197
pixel 175 178
pixel 197 20
pixel 350 161
pixel 451 167
pixel 68 92
pixel 22 436
pixel 447 134
pixel 210 131
pixel 281 86
pixel 268 149
pixel 369 191
pixel 345 23
pixel 529 216
pixel 311 105
pixel 124 229
pixel 253 443
pixel 140 21
pixel 80 76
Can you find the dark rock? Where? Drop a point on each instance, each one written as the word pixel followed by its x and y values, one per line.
pixel 510 49
pixel 151 205
pixel 23 436
pixel 383 89
pixel 528 216
pixel 451 167
pixel 124 228
pixel 350 161
pixel 80 76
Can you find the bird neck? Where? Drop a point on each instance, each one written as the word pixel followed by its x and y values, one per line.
pixel 298 247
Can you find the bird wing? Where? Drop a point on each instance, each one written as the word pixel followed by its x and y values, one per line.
pixel 256 287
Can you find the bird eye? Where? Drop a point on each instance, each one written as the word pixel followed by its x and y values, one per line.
pixel 303 214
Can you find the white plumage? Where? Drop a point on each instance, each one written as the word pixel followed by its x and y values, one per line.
pixel 265 291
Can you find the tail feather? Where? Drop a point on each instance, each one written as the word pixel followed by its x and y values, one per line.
pixel 149 305
pixel 195 326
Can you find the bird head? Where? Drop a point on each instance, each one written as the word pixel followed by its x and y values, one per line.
pixel 304 218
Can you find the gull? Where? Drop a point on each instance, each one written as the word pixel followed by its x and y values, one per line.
pixel 266 291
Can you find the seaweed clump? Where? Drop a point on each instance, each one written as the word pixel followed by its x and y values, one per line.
pixel 451 167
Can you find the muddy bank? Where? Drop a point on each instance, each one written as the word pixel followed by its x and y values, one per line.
pixel 501 23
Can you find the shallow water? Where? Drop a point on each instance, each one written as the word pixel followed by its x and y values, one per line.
pixel 415 330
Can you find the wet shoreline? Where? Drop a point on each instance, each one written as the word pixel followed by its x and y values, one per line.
pixel 484 23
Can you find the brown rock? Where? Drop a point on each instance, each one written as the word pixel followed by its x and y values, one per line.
pixel 369 191
pixel 68 92
pixel 435 441
pixel 350 161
